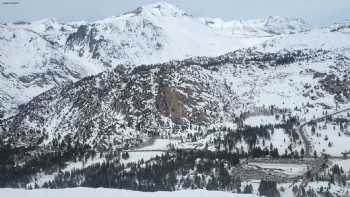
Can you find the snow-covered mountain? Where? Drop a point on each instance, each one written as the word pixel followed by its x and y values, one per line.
pixel 270 26
pixel 149 34
pixel 36 56
pixel 39 55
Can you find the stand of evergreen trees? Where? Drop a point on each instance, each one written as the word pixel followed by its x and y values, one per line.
pixel 252 136
pixel 180 169
pixel 176 169
pixel 19 165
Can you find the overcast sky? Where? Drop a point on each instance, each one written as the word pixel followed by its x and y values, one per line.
pixel 318 12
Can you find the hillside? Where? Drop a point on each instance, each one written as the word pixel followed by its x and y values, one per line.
pixel 125 104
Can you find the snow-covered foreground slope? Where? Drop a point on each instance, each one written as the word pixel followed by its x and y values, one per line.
pixel 88 192
pixel 106 192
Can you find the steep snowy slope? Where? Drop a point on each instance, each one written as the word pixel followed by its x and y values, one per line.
pixel 30 64
pixel 52 30
pixel 261 27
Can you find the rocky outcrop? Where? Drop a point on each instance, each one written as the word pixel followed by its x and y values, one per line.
pixel 85 38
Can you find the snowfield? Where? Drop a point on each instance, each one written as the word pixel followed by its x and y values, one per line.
pixel 329 137
pixel 331 140
pixel 102 192
pixel 256 121
pixel 150 151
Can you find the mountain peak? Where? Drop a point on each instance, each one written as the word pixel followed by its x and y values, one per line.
pixel 161 8
pixel 47 21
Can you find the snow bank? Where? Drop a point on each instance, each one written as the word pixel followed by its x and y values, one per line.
pixel 87 192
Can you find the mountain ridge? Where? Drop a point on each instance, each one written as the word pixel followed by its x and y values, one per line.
pixel 270 26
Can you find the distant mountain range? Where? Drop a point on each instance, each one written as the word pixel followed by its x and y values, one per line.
pixel 270 26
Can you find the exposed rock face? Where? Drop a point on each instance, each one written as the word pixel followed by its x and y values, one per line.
pixel 171 104
pixel 85 38
pixel 181 105
pixel 80 37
